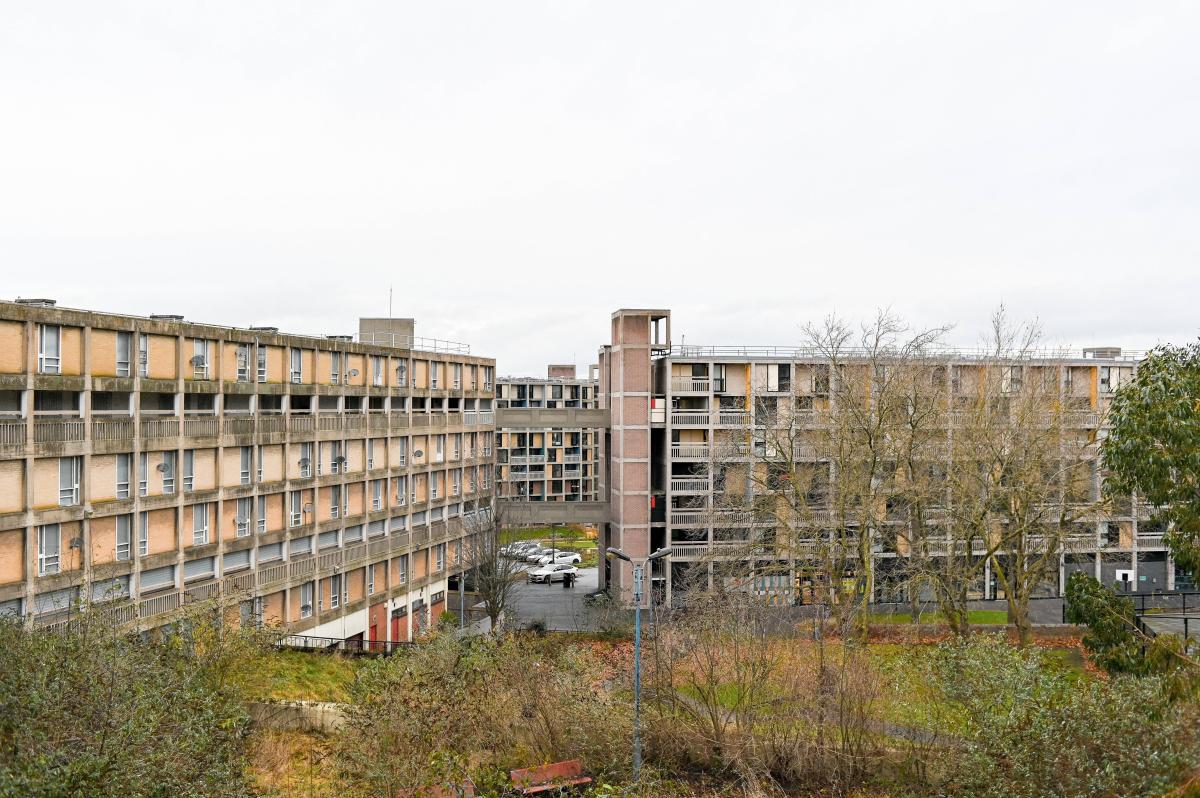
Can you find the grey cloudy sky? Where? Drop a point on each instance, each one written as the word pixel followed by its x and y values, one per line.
pixel 518 170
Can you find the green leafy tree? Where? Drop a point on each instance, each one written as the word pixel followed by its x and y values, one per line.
pixel 1111 638
pixel 1153 447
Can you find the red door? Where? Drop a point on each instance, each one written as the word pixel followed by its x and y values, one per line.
pixel 373 637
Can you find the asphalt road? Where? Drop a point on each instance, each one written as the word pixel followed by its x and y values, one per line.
pixel 561 609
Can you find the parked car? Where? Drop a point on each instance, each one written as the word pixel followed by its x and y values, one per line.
pixel 535 554
pixel 519 549
pixel 568 557
pixel 553 573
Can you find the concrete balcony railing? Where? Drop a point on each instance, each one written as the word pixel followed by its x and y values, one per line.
pixel 690 418
pixel 487 417
pixel 167 427
pixel 12 432
pixel 201 427
pixel 689 517
pixel 691 384
pixel 112 429
pixel 690 451
pixel 57 430
pixel 691 485
pixel 733 418
pixel 1150 542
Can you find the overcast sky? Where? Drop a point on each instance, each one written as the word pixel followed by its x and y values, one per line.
pixel 517 170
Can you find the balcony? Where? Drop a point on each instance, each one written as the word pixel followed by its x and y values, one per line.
pixel 57 430
pixel 118 428
pixel 733 418
pixel 166 427
pixel 691 385
pixel 201 427
pixel 690 451
pixel 691 485
pixel 12 433
pixel 689 418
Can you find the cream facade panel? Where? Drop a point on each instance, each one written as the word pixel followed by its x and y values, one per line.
pixel 102 478
pixel 12 556
pixel 45 483
pixel 12 486
pixel 163 361
pixel 12 347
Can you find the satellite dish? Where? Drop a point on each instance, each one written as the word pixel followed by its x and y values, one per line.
pixel 162 467
pixel 418 453
pixel 308 507
pixel 304 462
pixel 353 372
pixel 339 459
pixel 305 608
pixel 198 360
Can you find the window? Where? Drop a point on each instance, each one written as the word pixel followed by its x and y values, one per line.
pixel 143 535
pixel 335 500
pixel 124 536
pixel 433 487
pixel 455 483
pixel 168 472
pixel 200 349
pixel 246 456
pixel 439 448
pixel 295 506
pixel 143 467
pixel 143 355
pixel 242 516
pixel 297 361
pixel 370 453
pixel 401 498
pixel 335 591
pixel 69 469
pixel 402 374
pixel 258 464
pixel 402 568
pixel 370 580
pixel 457 376
pixel 243 363
pixel 261 357
pixel 306 600
pixel 199 524
pixel 1012 379
pixel 455 446
pixel 124 353
pixel 1106 379
pixel 376 370
pixel 439 556
pixel 402 453
pixel 335 367
pixel 49 549
pixel 49 349
pixel 261 525
pixel 189 469
pixel 433 373
pixel 377 494
pixel 306 458
pixel 336 459
pixel 124 465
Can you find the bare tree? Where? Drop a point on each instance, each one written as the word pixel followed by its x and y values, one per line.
pixel 492 575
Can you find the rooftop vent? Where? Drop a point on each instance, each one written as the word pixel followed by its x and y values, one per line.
pixel 340 337
pixel 166 316
pixel 39 302
pixel 267 329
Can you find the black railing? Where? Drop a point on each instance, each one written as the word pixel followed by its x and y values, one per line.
pixel 348 645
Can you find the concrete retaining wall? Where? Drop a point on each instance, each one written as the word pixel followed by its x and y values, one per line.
pixel 307 716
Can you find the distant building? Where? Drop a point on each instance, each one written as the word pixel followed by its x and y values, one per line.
pixel 320 482
pixel 550 464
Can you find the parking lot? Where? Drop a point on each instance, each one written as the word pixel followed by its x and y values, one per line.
pixel 561 609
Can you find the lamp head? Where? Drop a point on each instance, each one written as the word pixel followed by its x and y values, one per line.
pixel 620 555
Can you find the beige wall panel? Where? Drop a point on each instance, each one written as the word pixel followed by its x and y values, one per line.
pixel 72 350
pixel 160 530
pixel 45 483
pixel 420 374
pixel 272 457
pixel 12 556
pixel 12 347
pixel 357 580
pixel 206 469
pixel 72 559
pixel 104 539
pixel 231 466
pixel 104 353
pixel 276 364
pixel 102 481
pixel 275 512
pixel 420 443
pixel 272 608
pixel 227 352
pixel 356 363
pixel 355 493
pixel 12 486
pixel 355 457
pixel 163 360
pixel 228 523
pixel 420 564
pixel 294 611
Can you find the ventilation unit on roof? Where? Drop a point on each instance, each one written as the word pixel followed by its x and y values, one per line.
pixel 166 317
pixel 340 337
pixel 265 329
pixel 40 302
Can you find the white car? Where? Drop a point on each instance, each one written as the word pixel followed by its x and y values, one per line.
pixel 518 550
pixel 553 573
pixel 534 554
pixel 567 557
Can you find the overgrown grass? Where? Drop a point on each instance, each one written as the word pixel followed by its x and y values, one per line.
pixel 561 533
pixel 303 676
pixel 282 764
pixel 933 616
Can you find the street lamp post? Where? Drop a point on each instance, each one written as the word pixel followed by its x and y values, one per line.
pixel 639 568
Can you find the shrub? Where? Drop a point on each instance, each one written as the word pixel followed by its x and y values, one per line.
pixel 1030 730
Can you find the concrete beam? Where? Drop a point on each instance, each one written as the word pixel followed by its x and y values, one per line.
pixel 516 511
pixel 541 417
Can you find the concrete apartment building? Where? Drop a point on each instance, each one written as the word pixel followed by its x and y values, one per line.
pixel 672 406
pixel 551 463
pixel 323 483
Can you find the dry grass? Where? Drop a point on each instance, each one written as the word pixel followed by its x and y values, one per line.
pixel 287 764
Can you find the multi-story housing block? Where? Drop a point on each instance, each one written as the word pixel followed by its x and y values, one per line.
pixel 550 463
pixel 322 483
pixel 683 417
